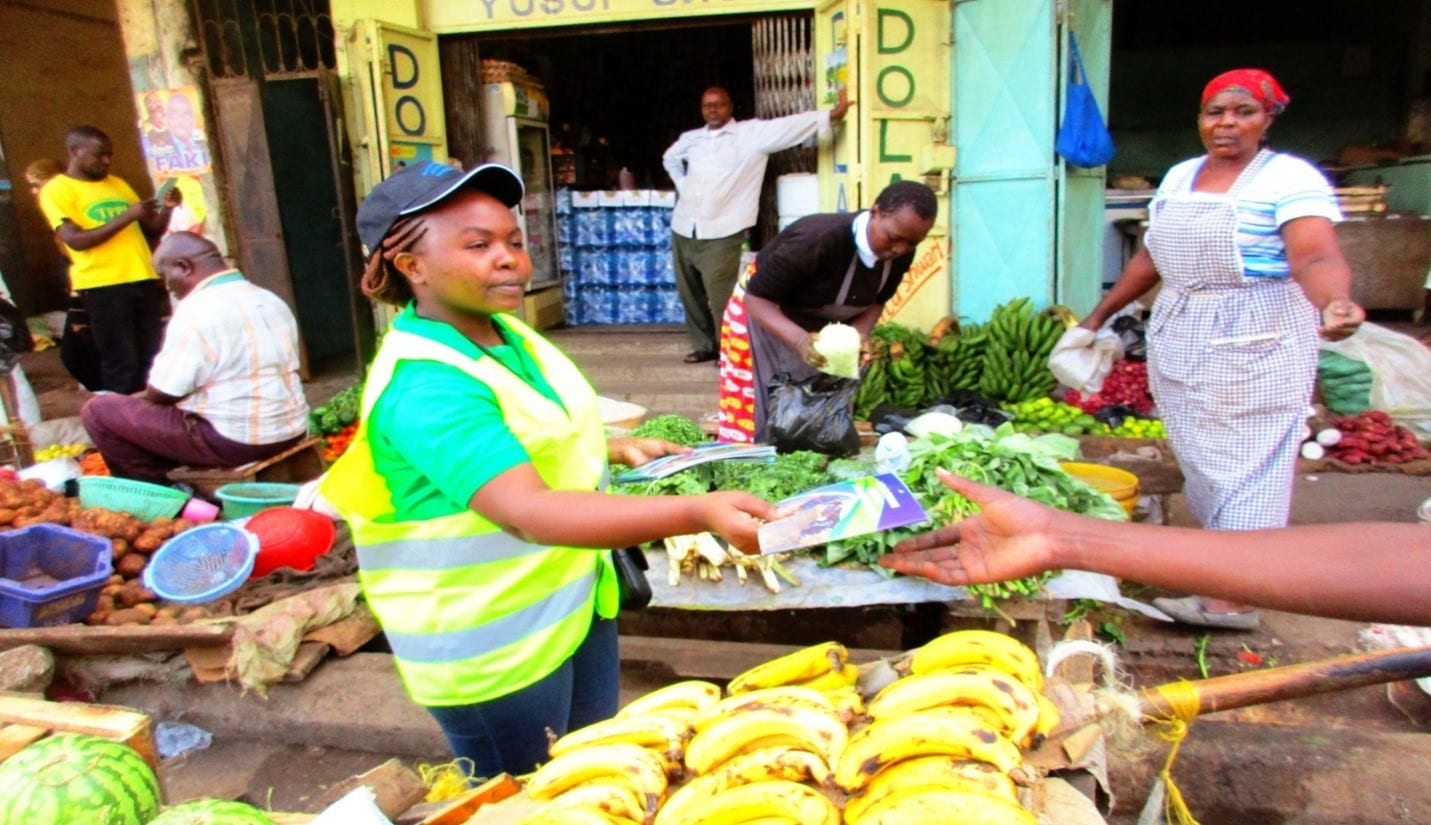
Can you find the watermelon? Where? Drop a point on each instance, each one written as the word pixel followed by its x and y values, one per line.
pixel 212 812
pixel 73 779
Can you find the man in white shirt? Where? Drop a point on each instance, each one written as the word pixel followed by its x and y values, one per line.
pixel 223 391
pixel 718 171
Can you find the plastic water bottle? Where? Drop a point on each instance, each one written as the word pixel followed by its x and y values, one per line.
pixel 892 453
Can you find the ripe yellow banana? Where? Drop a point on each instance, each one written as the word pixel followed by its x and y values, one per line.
pixel 848 702
pixel 607 797
pixel 955 731
pixel 623 763
pixel 691 694
pixel 840 678
pixel 652 730
pixel 979 647
pixel 775 798
pixel 1048 718
pixel 819 730
pixel 967 807
pixel 783 763
pixel 949 772
pixel 574 816
pixel 1013 704
pixel 800 666
pixel 781 695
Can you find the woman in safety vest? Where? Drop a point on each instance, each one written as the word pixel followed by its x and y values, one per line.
pixel 472 485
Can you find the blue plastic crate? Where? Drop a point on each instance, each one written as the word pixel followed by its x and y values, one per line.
pixel 50 575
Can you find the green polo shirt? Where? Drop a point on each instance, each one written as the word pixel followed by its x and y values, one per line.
pixel 437 433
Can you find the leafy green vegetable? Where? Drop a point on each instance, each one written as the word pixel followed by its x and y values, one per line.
pixel 672 427
pixel 1001 458
pixel 790 474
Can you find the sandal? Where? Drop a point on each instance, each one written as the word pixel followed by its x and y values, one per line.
pixel 1190 611
pixel 699 357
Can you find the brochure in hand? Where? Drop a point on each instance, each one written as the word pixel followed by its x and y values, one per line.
pixel 841 510
pixel 714 451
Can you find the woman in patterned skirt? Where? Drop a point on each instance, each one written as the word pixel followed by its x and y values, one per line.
pixel 1242 239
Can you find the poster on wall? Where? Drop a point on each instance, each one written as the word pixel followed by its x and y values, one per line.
pixel 172 134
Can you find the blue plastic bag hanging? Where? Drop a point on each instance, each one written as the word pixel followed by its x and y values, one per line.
pixel 1083 139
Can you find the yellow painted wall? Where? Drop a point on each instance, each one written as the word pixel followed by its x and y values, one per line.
pixel 64 64
pixel 157 35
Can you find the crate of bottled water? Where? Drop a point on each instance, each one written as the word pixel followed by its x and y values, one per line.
pixel 563 201
pixel 593 228
pixel 566 258
pixel 628 226
pixel 662 271
pixel 596 266
pixel 566 230
pixel 657 221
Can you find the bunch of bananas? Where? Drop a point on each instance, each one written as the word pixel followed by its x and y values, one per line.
pixel 955 358
pixel 874 384
pixel 944 739
pixel 618 770
pixel 940 743
pixel 1016 360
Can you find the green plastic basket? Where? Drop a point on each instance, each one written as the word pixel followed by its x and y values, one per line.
pixel 247 498
pixel 141 499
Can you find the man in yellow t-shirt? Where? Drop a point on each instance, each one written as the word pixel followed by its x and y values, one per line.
pixel 107 229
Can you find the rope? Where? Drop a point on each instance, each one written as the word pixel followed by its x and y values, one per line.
pixel 448 780
pixel 1182 698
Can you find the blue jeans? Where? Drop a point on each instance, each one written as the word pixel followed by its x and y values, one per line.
pixel 509 734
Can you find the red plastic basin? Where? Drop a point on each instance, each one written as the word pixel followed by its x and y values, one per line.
pixel 289 537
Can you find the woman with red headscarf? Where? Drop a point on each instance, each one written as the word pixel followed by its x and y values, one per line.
pixel 1243 242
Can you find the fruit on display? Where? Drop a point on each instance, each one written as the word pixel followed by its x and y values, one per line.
pixel 212 812
pixel 1126 385
pixel 61 451
pixel 74 779
pixel 940 743
pixel 1373 438
pixel 1016 360
pixel 1044 415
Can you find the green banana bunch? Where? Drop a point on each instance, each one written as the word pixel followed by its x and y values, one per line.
pixel 874 387
pixel 906 375
pixel 1016 360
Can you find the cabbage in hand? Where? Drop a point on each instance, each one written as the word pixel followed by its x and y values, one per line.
pixel 840 345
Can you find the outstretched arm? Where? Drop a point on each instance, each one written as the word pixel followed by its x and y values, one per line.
pixel 1372 571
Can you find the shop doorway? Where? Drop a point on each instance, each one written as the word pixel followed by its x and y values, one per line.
pixel 620 96
pixel 289 190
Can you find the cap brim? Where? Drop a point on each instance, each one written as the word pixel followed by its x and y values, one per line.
pixel 493 178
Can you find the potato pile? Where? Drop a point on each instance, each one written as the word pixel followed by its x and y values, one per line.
pixel 124 600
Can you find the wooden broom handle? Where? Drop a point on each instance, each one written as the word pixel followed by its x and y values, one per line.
pixel 1256 687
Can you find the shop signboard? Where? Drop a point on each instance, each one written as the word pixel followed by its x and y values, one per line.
pixel 465 16
pixel 892 58
pixel 406 83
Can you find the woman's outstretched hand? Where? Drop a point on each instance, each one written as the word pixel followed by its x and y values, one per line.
pixel 736 517
pixel 1011 537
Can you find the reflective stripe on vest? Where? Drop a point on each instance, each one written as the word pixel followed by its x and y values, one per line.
pixel 510 612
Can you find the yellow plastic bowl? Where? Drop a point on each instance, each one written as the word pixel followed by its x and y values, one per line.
pixel 1121 485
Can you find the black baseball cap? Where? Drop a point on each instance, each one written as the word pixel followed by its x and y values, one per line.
pixel 420 186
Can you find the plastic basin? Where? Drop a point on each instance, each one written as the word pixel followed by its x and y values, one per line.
pixel 250 497
pixel 289 537
pixel 1120 485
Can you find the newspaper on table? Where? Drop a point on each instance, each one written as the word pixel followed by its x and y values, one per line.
pixel 703 454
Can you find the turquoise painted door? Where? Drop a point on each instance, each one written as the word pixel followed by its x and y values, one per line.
pixel 1079 282
pixel 1005 176
pixel 1022 227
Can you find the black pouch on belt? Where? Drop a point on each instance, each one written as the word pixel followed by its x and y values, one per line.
pixel 631 569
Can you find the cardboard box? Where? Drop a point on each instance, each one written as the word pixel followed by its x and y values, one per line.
pixel 664 198
pixel 585 200
pixel 544 308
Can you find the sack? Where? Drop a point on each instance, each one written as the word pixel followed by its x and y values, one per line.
pixel 816 414
pixel 1082 358
pixel 1400 373
pixel 1344 383
pixel 631 578
pixel 1083 139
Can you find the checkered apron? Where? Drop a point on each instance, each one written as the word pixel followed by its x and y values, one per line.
pixel 750 357
pixel 1231 362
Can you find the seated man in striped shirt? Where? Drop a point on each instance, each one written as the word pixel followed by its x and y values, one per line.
pixel 224 389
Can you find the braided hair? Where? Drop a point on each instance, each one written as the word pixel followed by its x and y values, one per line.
pixel 381 279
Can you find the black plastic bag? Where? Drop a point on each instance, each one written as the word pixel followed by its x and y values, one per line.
pixel 631 567
pixel 14 331
pixel 888 418
pixel 817 413
pixel 1115 414
pixel 1134 336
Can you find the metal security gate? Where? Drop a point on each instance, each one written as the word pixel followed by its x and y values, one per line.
pixel 784 74
pixel 270 71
